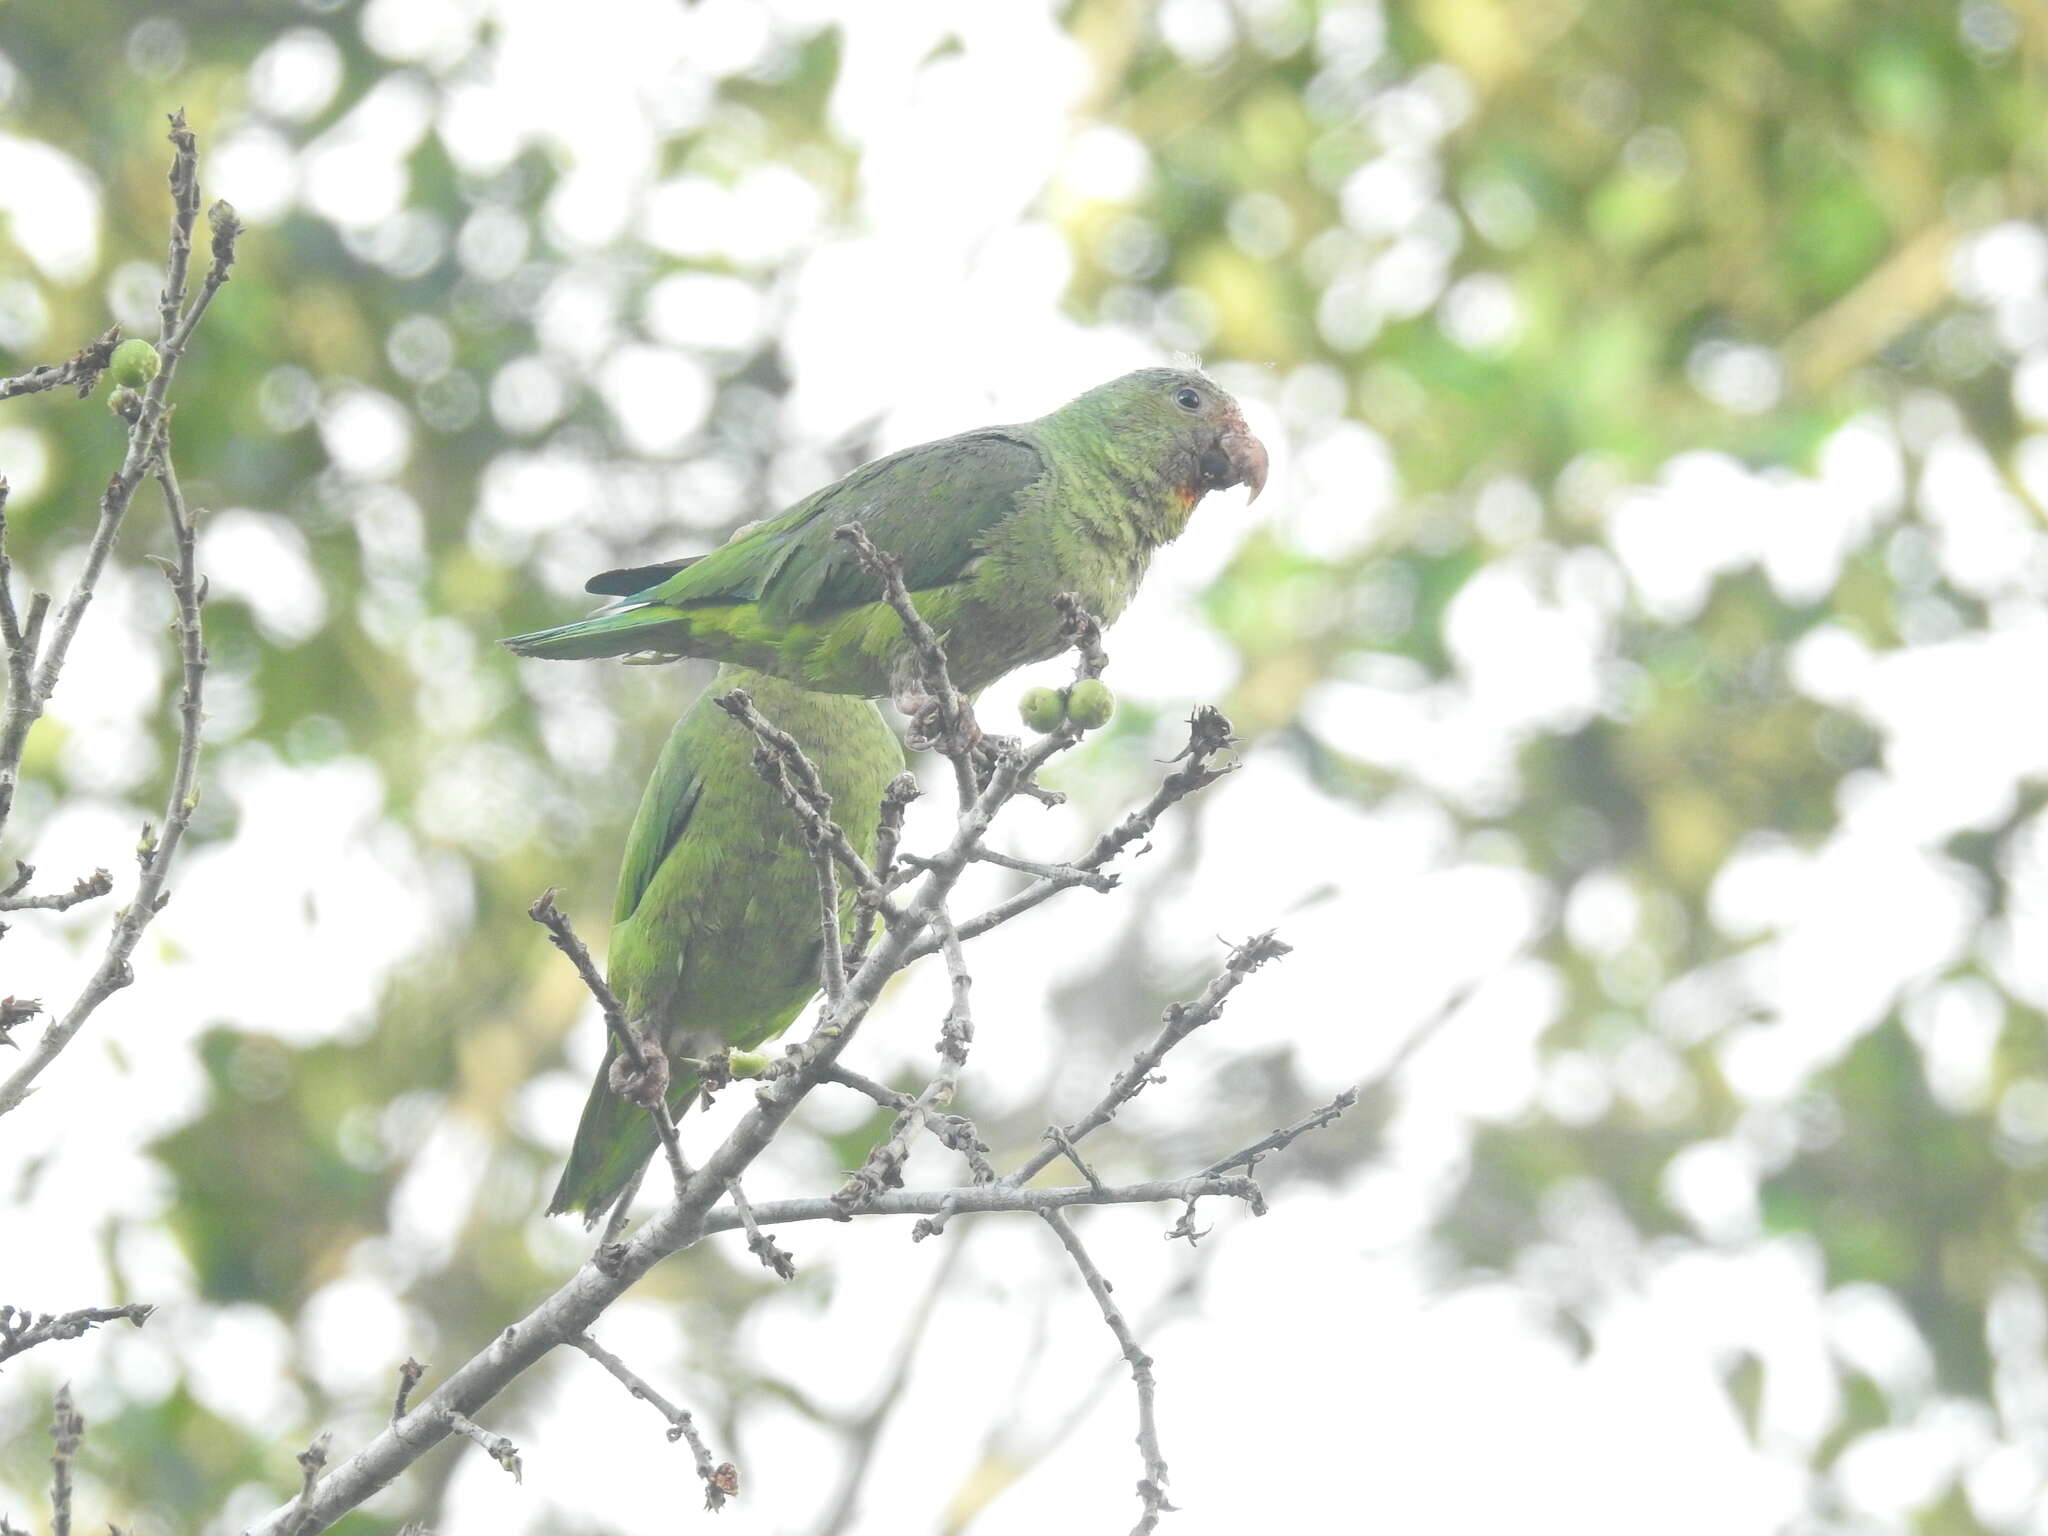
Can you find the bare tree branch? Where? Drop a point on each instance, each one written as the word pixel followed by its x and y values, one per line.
pixel 1179 1021
pixel 312 1461
pixel 1000 1197
pixel 67 1430
pixel 759 1243
pixel 883 1169
pixel 782 762
pixel 720 1482
pixel 867 905
pixel 154 853
pixel 82 369
pixel 34 666
pixel 143 450
pixel 881 1093
pixel 84 888
pixel 1208 736
pixel 409 1376
pixel 1248 1158
pixel 496 1446
pixel 707 1200
pixel 639 1074
pixel 945 723
pixel 1152 1486
pixel 22 1331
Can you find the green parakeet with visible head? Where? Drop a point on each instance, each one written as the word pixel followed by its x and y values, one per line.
pixel 715 933
pixel 989 525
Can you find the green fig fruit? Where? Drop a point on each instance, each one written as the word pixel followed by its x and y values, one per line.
pixel 134 363
pixel 1042 709
pixel 1090 703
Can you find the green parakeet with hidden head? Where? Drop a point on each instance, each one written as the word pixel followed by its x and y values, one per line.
pixel 990 526
pixel 715 935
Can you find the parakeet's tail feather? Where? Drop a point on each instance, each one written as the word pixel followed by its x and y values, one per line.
pixel 620 632
pixel 632 580
pixel 613 1142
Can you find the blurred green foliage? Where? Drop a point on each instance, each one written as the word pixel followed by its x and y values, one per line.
pixel 1539 245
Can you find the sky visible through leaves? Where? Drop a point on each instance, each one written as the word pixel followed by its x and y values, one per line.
pixel 1638 652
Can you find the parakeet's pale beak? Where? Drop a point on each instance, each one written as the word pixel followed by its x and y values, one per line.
pixel 1237 459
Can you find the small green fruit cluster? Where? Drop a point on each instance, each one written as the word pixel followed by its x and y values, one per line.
pixel 1088 704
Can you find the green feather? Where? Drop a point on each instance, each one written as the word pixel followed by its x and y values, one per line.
pixel 620 632
pixel 715 935
pixel 989 525
pixel 930 506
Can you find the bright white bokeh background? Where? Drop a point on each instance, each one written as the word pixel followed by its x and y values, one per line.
pixel 1322 1376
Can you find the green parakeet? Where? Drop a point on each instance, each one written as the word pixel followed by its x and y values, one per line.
pixel 989 525
pixel 715 929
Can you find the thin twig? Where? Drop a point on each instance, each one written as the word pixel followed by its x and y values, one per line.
pixel 1209 735
pixel 1062 874
pixel 67 1430
pixel 312 1461
pixel 950 726
pixel 883 1169
pixel 1152 1486
pixel 1178 1022
pixel 226 226
pixel 997 1198
pixel 881 1093
pixel 155 852
pixel 21 659
pixel 1007 1455
pixel 1248 1158
pixel 868 903
pixel 84 888
pixel 639 1074
pixel 720 1481
pixel 82 369
pixel 184 213
pixel 409 1376
pixel 15 1012
pixel 1058 1136
pixel 34 666
pixel 496 1446
pixel 22 1331
pixel 760 1244
pixel 622 1208
pixel 563 936
pixel 783 763
pixel 143 449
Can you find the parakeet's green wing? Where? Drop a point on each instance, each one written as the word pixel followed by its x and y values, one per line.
pixel 651 839
pixel 613 1136
pixel 930 506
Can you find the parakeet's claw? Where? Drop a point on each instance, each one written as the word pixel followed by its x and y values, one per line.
pixel 647 1084
pixel 928 731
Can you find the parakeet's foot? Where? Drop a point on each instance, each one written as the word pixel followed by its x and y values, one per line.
pixel 927 725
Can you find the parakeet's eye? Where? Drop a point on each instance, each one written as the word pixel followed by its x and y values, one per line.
pixel 1188 400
